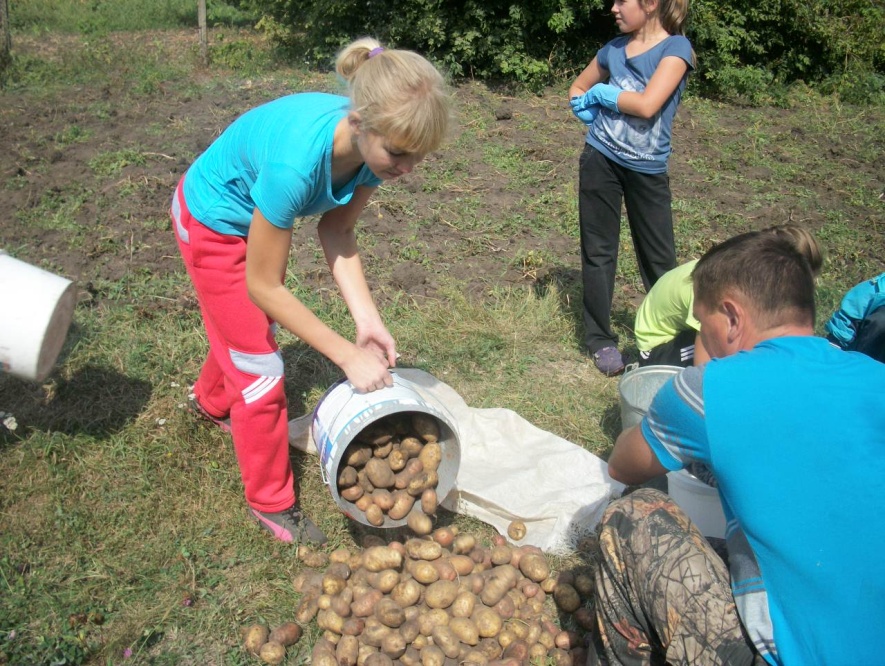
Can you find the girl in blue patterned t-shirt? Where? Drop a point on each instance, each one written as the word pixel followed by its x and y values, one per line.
pixel 627 96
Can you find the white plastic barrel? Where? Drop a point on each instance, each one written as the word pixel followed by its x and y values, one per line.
pixel 36 309
pixel 342 414
pixel 699 501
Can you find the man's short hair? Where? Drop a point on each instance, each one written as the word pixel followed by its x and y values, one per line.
pixel 767 270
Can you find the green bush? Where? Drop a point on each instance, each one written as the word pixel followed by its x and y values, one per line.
pixel 527 42
pixel 747 51
pixel 753 50
pixel 241 55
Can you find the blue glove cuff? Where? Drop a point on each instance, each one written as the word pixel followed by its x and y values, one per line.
pixel 605 95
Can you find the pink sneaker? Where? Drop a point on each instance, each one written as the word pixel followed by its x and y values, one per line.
pixel 290 525
pixel 195 407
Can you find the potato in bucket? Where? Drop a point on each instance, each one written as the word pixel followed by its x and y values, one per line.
pixel 389 457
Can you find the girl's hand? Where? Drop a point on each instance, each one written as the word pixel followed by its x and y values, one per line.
pixel 367 370
pixel 367 366
pixel 586 114
pixel 378 340
pixel 605 95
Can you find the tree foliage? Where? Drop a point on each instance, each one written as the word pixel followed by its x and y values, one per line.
pixel 745 48
pixel 523 41
pixel 754 49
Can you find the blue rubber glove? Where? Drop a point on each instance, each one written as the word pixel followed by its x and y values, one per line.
pixel 586 114
pixel 605 95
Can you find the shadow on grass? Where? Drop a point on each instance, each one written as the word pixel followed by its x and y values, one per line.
pixel 568 285
pixel 97 402
pixel 307 372
pixel 611 425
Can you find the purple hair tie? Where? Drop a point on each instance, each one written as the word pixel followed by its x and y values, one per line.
pixel 375 51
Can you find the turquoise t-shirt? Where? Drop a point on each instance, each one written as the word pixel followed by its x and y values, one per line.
pixel 640 144
pixel 276 157
pixel 794 433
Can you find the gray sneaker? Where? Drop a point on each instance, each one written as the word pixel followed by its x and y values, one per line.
pixel 609 361
pixel 291 526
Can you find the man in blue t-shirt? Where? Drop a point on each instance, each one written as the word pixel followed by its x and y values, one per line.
pixel 793 430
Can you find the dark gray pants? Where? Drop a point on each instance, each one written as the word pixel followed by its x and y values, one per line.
pixel 662 593
pixel 870 338
pixel 603 185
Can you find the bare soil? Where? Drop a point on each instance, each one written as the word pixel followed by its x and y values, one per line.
pixel 116 224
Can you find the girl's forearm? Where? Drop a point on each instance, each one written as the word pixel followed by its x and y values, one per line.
pixel 266 258
pixel 337 236
pixel 347 270
pixel 288 311
pixel 351 280
pixel 576 90
pixel 663 84
pixel 590 76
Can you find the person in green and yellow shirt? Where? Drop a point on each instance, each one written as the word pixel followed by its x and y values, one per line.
pixel 665 329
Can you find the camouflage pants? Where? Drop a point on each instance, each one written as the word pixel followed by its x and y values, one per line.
pixel 663 595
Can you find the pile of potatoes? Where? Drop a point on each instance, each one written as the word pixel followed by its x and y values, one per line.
pixel 444 600
pixel 390 471
pixel 270 646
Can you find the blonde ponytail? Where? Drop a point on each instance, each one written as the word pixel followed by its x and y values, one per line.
pixel 398 94
pixel 353 56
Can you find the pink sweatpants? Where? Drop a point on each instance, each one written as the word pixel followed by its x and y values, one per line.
pixel 243 372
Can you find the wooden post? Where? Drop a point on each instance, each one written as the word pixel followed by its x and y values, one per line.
pixel 204 37
pixel 5 37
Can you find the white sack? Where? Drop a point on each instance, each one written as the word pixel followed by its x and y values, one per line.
pixel 512 470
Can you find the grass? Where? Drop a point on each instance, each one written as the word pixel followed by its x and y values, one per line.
pixel 99 17
pixel 122 531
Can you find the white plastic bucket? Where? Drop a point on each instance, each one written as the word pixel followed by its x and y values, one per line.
pixel 699 501
pixel 342 414
pixel 637 389
pixel 36 308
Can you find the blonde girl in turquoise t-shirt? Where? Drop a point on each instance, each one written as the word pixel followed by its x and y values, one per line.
pixel 234 211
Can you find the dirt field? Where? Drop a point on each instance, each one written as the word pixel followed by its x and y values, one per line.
pixel 123 515
pixel 87 174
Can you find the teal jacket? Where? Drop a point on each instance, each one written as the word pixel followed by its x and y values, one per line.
pixel 860 301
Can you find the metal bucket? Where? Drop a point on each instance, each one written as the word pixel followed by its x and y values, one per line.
pixel 36 309
pixel 638 388
pixel 342 414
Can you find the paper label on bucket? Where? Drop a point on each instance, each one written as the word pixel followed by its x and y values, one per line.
pixel 700 502
pixel 5 360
